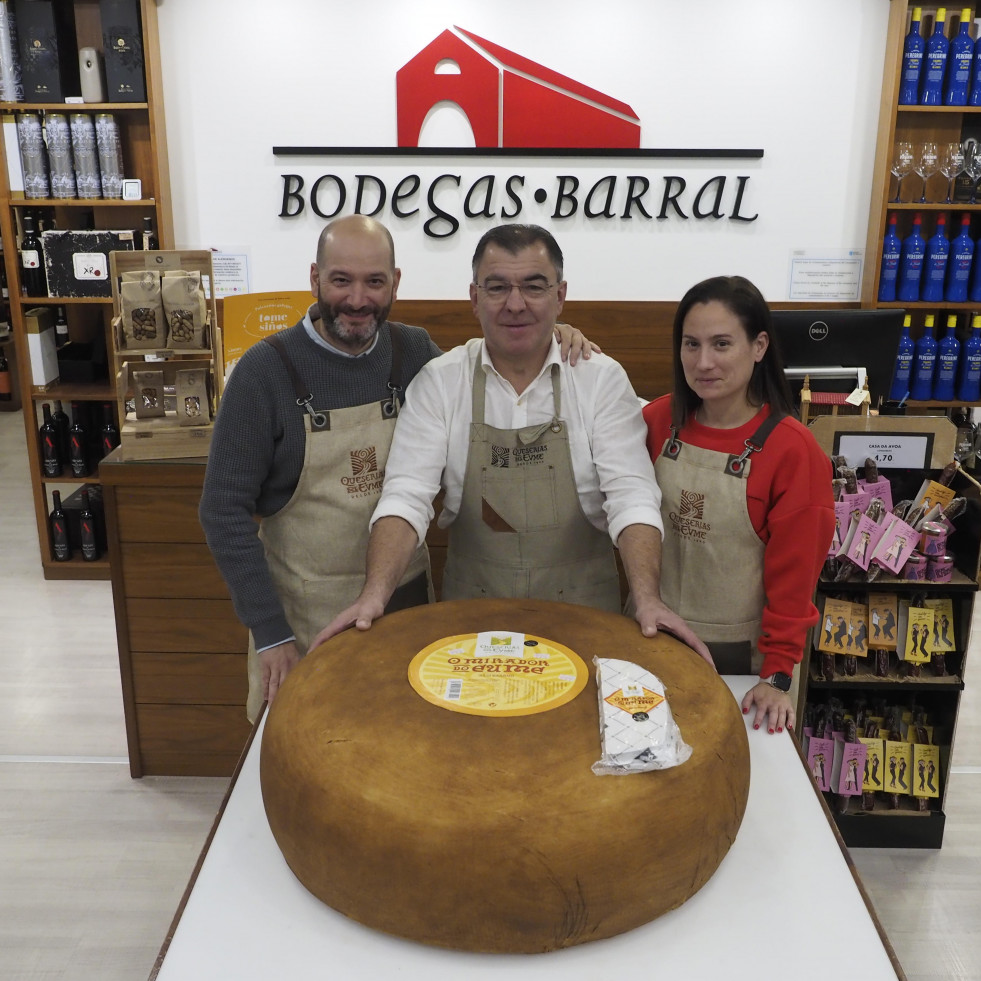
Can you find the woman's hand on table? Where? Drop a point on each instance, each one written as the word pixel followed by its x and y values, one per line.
pixel 774 708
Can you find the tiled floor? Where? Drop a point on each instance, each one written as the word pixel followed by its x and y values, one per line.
pixel 93 863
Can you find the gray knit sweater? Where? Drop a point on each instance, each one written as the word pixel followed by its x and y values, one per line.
pixel 257 452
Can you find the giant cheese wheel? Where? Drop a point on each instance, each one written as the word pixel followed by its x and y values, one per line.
pixel 492 833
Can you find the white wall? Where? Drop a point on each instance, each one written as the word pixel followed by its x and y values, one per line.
pixel 800 80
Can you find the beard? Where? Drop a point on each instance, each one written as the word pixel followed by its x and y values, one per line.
pixel 353 337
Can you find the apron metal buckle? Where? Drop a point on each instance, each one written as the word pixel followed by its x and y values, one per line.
pixel 390 406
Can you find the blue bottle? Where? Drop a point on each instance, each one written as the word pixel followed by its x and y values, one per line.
pixel 935 264
pixel 899 390
pixel 934 62
pixel 969 374
pixel 974 91
pixel 889 272
pixel 959 59
pixel 948 354
pixel 924 363
pixel 909 88
pixel 911 264
pixel 959 263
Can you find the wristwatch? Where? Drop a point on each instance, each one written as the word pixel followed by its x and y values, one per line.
pixel 779 680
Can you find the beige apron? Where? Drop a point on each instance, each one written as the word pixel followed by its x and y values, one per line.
pixel 521 531
pixel 316 544
pixel 712 557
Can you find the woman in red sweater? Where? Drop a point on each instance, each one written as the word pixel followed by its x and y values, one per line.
pixel 747 501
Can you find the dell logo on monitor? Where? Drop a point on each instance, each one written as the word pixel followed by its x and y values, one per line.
pixel 818 331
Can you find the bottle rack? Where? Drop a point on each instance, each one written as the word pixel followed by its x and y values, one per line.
pixel 143 141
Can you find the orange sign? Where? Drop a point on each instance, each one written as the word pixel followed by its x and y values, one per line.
pixel 249 317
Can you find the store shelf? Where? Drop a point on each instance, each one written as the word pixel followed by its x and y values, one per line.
pixel 891 829
pixel 71 106
pixel 76 569
pixel 21 202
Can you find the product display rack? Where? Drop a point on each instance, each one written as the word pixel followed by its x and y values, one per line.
pixel 939 695
pixel 144 148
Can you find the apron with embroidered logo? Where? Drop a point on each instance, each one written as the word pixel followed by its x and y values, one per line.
pixel 316 544
pixel 520 531
pixel 712 557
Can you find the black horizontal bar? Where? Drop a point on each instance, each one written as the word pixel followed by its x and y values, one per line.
pixel 449 151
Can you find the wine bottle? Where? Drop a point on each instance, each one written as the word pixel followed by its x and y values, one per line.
pixel 891 248
pixel 959 58
pixel 911 264
pixel 4 289
pixel 150 242
pixel 62 424
pixel 61 328
pixel 899 390
pixel 60 543
pixel 78 453
pixel 86 521
pixel 935 263
pixel 948 353
pixel 959 263
pixel 6 386
pixel 934 62
pixel 108 434
pixel 51 458
pixel 32 280
pixel 969 375
pixel 924 362
pixel 909 90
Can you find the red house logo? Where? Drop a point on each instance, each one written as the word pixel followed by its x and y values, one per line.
pixel 510 101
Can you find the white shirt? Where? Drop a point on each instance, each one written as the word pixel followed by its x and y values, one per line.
pixel 607 437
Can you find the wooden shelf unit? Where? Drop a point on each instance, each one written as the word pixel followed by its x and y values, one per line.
pixel 144 144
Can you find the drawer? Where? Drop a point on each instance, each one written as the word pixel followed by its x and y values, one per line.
pixel 190 679
pixel 158 514
pixel 191 740
pixel 185 626
pixel 170 571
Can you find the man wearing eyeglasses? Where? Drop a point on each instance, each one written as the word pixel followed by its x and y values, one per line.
pixel 543 468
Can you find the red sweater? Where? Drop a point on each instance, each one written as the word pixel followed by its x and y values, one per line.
pixel 790 504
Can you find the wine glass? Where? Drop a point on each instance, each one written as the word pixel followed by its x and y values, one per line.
pixel 902 164
pixel 951 162
pixel 926 165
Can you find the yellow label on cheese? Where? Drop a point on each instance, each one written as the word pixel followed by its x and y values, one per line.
pixel 497 672
pixel 635 698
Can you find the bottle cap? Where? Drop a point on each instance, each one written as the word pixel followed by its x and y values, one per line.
pixel 917 13
pixel 965 15
pixel 928 322
pixel 977 320
pixel 951 320
pixel 941 219
pixel 941 15
pixel 908 320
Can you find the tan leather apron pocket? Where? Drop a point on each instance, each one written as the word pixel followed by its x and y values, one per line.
pixel 528 505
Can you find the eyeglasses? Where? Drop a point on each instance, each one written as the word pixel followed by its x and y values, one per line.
pixel 498 292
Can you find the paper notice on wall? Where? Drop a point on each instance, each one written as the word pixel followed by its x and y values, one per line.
pixel 231 273
pixel 819 275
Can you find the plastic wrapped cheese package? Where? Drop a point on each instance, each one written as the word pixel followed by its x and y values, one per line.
pixel 637 730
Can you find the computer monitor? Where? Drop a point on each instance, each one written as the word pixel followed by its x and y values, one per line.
pixel 846 340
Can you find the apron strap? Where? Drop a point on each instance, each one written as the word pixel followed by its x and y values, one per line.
pixel 304 397
pixel 530 434
pixel 735 466
pixel 390 407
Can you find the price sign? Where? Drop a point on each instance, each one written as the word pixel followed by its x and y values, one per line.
pixel 889 450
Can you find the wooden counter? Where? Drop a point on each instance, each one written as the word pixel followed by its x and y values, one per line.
pixel 182 650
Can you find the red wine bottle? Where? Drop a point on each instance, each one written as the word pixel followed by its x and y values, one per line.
pixel 108 434
pixel 51 461
pixel 60 543
pixel 149 236
pixel 6 386
pixel 78 453
pixel 86 519
pixel 32 278
pixel 61 328
pixel 62 423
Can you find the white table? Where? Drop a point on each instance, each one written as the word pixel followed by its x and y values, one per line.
pixel 784 903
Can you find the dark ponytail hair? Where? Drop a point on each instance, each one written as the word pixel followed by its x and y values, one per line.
pixel 768 384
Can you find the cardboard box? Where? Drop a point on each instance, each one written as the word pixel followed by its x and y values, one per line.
pixel 48 50
pixel 122 46
pixel 77 262
pixel 39 327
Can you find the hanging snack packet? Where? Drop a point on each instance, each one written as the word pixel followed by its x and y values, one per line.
pixel 637 730
pixel 185 307
pixel 141 310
